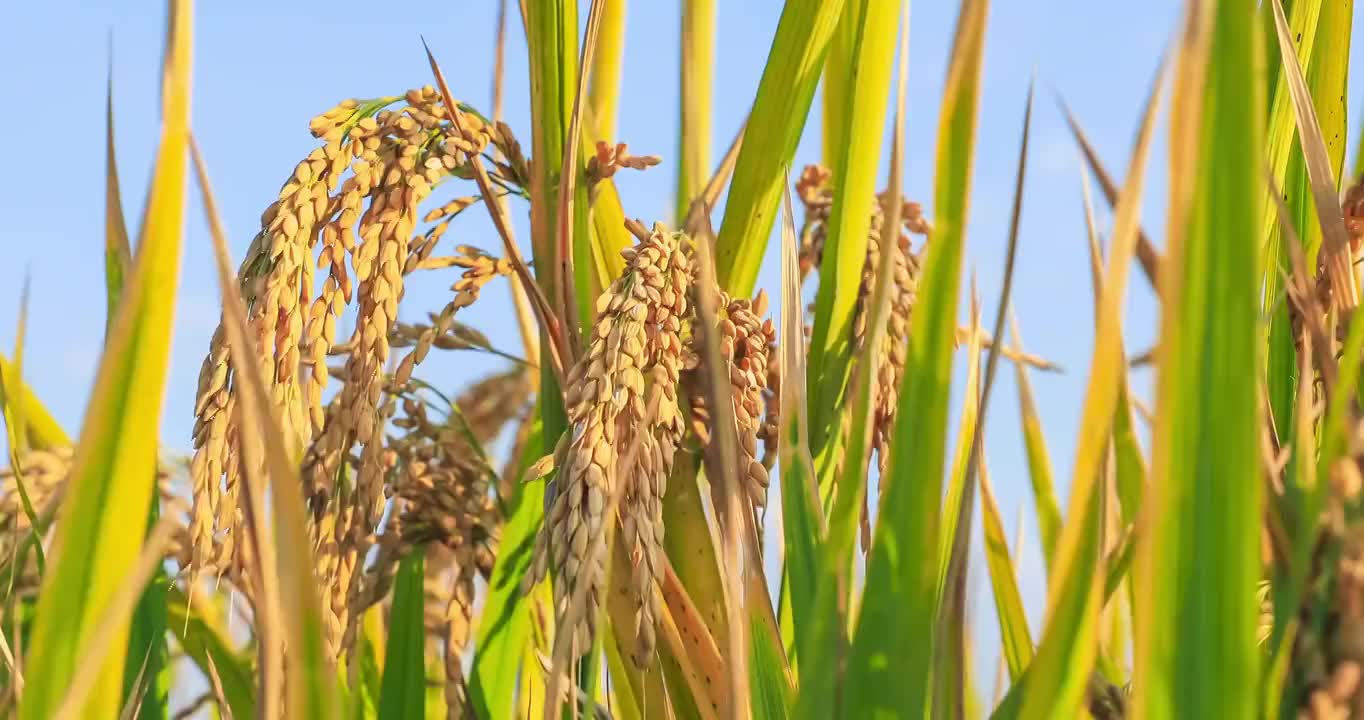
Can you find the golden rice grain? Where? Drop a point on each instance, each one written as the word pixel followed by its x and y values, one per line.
pixel 815 192
pixel 512 165
pixel 445 488
pixel 815 189
pixel 479 270
pixel 748 344
pixel 890 364
pixel 356 199
pixel 771 413
pixel 608 159
pixel 635 352
pixel 332 120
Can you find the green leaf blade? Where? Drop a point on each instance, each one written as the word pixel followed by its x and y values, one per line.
pixel 505 627
pixel 868 92
pixel 888 670
pixel 402 693
pixel 779 112
pixel 1013 623
pixel 113 477
pixel 1203 543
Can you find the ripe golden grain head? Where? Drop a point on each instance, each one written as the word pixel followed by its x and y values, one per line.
pixel 894 346
pixel 634 353
pixel 356 199
pixel 748 345
pixel 815 188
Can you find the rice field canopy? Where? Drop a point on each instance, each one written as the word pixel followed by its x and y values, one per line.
pixel 487 426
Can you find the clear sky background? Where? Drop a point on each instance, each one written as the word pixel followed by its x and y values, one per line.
pixel 261 70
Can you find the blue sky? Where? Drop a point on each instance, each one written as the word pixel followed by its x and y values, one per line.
pixel 263 69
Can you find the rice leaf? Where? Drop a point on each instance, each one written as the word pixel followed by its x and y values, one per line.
pixel 1039 460
pixel 42 429
pixel 113 475
pixel 691 549
pixel 533 688
pixel 652 688
pixel 147 650
pixel 774 128
pixel 835 86
pixel 971 698
pixel 1326 69
pixel 820 630
pixel 574 241
pixel 820 627
pixel 1338 265
pixel 737 543
pixel 701 675
pixel 1328 78
pixel 370 648
pixel 802 518
pixel 692 538
pixel 504 629
pixel 114 623
pixel 1147 254
pixel 953 622
pixel 623 683
pixel 888 670
pixel 16 434
pixel 1281 129
pixel 956 479
pixel 696 97
pixel 1200 557
pixel 770 688
pixel 749 614
pixel 552 41
pixel 845 248
pixel 949 665
pixel 1013 624
pixel 1066 655
pixel 607 63
pixel 118 257
pixel 403 691
pixel 1128 466
pixel 765 628
pixel 1280 139
pixel 608 234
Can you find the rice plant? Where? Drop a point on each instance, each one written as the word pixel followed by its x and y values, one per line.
pixel 343 542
